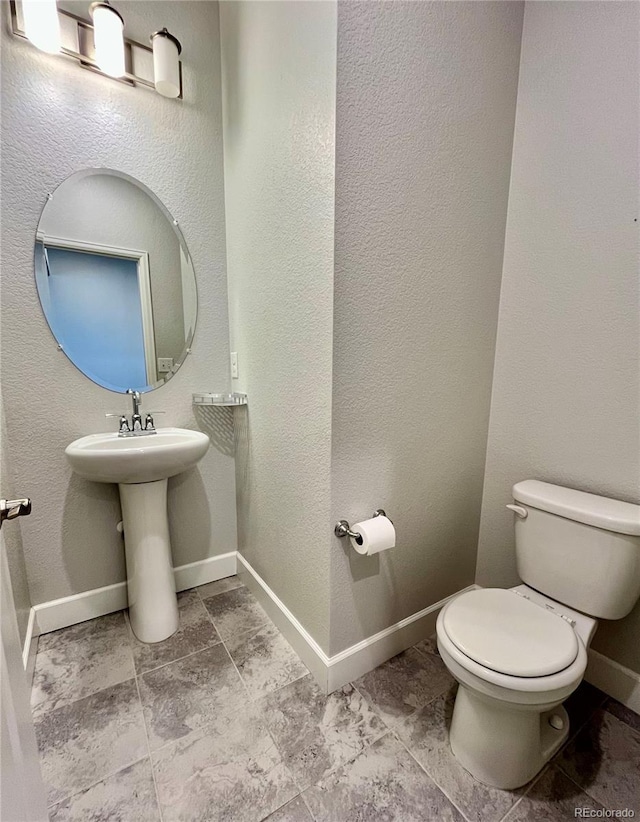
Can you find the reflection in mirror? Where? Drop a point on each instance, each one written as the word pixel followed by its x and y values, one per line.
pixel 115 280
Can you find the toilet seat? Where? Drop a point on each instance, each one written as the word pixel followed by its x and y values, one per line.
pixel 502 631
pixel 515 689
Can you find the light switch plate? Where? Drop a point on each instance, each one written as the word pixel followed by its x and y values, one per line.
pixel 234 365
pixel 165 365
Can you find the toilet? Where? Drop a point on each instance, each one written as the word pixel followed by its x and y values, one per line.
pixel 518 653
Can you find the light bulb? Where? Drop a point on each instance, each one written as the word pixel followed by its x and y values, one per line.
pixel 41 24
pixel 108 39
pixel 166 63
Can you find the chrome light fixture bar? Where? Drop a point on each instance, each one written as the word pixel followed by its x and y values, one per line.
pixel 77 42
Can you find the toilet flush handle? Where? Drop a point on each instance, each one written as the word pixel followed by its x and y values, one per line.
pixel 519 511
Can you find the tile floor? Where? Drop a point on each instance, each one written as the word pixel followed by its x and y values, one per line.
pixel 223 722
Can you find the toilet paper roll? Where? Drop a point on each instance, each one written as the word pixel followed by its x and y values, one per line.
pixel 377 534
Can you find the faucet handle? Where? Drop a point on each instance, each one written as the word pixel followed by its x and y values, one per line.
pixel 148 420
pixel 124 424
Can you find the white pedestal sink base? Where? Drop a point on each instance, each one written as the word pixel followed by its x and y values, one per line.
pixel 153 605
pixel 141 466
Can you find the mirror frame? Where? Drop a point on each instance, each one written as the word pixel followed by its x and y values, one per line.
pixel 88 172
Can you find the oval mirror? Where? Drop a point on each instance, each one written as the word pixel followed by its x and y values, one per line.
pixel 115 280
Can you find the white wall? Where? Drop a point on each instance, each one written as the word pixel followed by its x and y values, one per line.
pixel 11 538
pixel 425 115
pixel 279 66
pixel 566 384
pixel 57 119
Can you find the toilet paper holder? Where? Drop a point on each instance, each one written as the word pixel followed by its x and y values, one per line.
pixel 343 529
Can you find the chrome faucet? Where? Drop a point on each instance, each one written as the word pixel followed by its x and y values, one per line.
pixel 137 402
pixel 136 419
pixel 135 427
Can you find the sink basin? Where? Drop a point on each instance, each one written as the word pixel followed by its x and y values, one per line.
pixel 110 458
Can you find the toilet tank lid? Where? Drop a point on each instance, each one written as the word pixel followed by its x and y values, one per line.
pixel 601 512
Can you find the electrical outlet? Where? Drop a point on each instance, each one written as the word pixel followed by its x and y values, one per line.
pixel 234 365
pixel 165 365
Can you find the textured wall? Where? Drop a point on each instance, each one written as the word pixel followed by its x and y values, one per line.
pixel 11 537
pixel 279 114
pixel 108 210
pixel 565 395
pixel 425 115
pixel 57 119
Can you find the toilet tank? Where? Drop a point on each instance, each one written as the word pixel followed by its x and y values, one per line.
pixel 580 549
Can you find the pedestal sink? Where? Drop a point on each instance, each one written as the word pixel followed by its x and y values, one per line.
pixel 141 466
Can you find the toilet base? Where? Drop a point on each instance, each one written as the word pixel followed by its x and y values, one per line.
pixel 502 744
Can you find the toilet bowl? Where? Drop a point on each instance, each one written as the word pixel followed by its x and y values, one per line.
pixel 516 658
pixel 518 653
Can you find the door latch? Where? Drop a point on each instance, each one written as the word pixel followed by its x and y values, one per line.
pixel 12 508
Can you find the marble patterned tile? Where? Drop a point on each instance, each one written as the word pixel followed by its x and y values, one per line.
pixel 623 713
pixel 123 796
pixel 265 660
pixel 194 633
pixel 317 733
pixel 383 783
pixel 85 741
pixel 426 735
pixel 604 760
pixel 188 694
pixel 404 683
pixel 553 798
pixel 294 811
pixel 231 770
pixel 220 586
pixel 80 660
pixel 428 646
pixel 235 612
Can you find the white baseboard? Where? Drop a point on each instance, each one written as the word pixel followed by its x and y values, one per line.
pixel 335 671
pixel 60 613
pixel 614 679
pixel 297 636
pixel 205 570
pixel 30 645
pixel 366 655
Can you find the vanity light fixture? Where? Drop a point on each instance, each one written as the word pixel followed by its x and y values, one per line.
pixel 41 24
pixel 108 38
pixel 99 44
pixel 166 63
